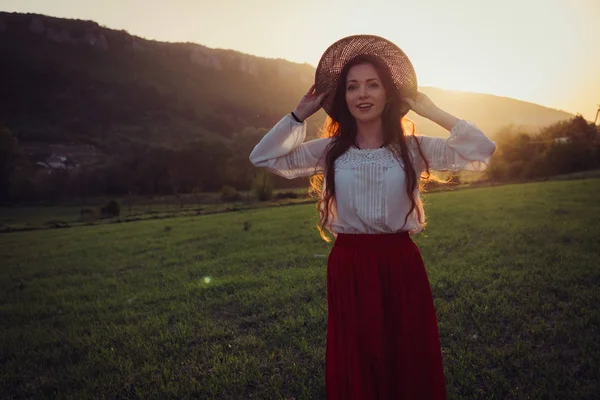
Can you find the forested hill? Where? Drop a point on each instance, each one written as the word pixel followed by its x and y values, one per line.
pixel 75 81
pixel 144 116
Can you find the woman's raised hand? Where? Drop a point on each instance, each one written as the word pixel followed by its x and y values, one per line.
pixel 309 104
pixel 422 105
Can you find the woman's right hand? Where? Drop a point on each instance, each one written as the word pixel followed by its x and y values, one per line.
pixel 309 104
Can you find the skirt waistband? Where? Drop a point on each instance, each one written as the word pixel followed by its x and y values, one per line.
pixel 367 239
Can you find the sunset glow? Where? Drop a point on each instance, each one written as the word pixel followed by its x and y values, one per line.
pixel 542 51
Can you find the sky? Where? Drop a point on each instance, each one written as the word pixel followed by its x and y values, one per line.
pixel 542 51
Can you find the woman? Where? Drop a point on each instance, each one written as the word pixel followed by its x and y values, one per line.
pixel 382 334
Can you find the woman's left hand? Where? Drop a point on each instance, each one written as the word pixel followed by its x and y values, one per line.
pixel 422 105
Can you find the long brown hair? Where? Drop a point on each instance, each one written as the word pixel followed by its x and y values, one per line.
pixel 341 127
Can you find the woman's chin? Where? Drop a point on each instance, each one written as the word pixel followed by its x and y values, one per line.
pixel 367 118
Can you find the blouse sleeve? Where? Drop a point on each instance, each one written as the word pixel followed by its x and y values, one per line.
pixel 283 151
pixel 467 149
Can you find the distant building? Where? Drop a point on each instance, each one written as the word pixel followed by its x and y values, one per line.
pixel 57 162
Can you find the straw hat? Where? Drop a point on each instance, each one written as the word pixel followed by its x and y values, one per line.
pixel 344 50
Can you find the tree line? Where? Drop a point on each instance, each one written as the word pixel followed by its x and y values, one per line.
pixel 212 165
pixel 568 146
pixel 208 165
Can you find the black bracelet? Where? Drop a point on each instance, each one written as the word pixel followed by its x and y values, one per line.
pixel 296 118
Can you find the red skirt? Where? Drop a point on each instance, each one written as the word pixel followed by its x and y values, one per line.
pixel 382 333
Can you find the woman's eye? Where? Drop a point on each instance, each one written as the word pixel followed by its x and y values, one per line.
pixel 351 87
pixel 374 85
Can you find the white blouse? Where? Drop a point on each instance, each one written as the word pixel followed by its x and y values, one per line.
pixel 370 184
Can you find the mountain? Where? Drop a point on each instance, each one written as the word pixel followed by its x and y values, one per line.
pixel 490 113
pixel 75 83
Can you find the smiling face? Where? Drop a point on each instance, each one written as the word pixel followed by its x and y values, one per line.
pixel 365 94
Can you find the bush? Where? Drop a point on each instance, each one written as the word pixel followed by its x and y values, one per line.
pixel 229 193
pixel 262 186
pixel 111 210
pixel 287 195
pixel 454 178
pixel 87 215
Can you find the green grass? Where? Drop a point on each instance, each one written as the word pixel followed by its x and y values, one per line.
pixel 36 217
pixel 197 307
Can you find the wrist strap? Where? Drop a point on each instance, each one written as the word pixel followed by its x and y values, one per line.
pixel 296 118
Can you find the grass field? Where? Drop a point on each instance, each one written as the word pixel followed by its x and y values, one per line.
pixel 198 307
pixel 67 213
